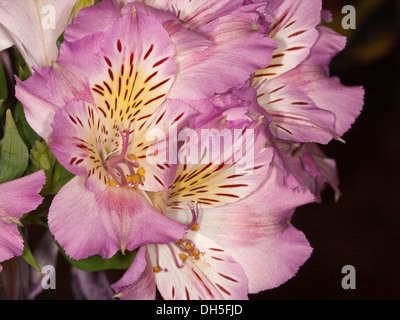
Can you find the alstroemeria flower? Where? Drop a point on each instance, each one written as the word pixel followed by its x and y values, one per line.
pixel 245 246
pixel 17 197
pixel 103 96
pixel 34 26
pixel 207 62
pixel 218 43
pixel 106 208
pixel 306 104
pixel 113 82
pixel 238 238
pixel 310 166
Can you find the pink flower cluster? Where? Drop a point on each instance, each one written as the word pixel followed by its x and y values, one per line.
pixel 155 79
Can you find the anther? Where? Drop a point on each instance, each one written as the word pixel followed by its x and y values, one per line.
pixel 141 172
pixel 195 227
pixel 131 157
pixel 156 269
pixel 182 256
pixel 113 183
pixel 134 179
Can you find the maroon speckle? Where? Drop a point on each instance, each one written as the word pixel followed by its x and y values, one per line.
pixel 148 52
pixel 160 62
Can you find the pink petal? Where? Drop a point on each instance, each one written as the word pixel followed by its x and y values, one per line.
pixel 327 92
pixel 294 31
pixel 232 40
pixel 74 137
pixel 11 242
pixel 214 175
pixel 86 223
pixel 238 50
pixel 18 197
pixel 22 195
pixel 50 88
pixel 154 143
pixel 133 73
pixel 326 167
pixel 216 275
pixel 311 167
pixel 329 43
pixel 92 19
pixel 295 116
pixel 138 282
pixel 197 14
pixel 257 233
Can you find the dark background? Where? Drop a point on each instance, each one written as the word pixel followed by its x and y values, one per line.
pixel 363 228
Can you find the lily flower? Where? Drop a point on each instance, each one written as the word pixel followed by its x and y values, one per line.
pixel 229 250
pixel 100 99
pixel 238 238
pixel 217 41
pixel 18 197
pixel 310 166
pixel 34 27
pixel 105 208
pixel 96 104
pixel 296 89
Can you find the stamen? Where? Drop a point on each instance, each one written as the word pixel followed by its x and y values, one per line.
pixel 195 216
pixel 185 245
pixel 157 268
pixel 179 266
pixel 112 183
pixel 131 157
pixel 114 165
pixel 188 247
pixel 133 179
pixel 183 256
pixel 141 172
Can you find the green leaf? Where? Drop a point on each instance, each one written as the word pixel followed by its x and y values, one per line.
pixel 39 215
pixel 27 255
pixel 24 72
pixel 28 135
pixel 60 40
pixel 14 155
pixel 97 263
pixel 60 177
pixel 56 175
pixel 20 68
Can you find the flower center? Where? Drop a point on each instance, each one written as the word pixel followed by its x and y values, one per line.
pixel 186 246
pixel 123 168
